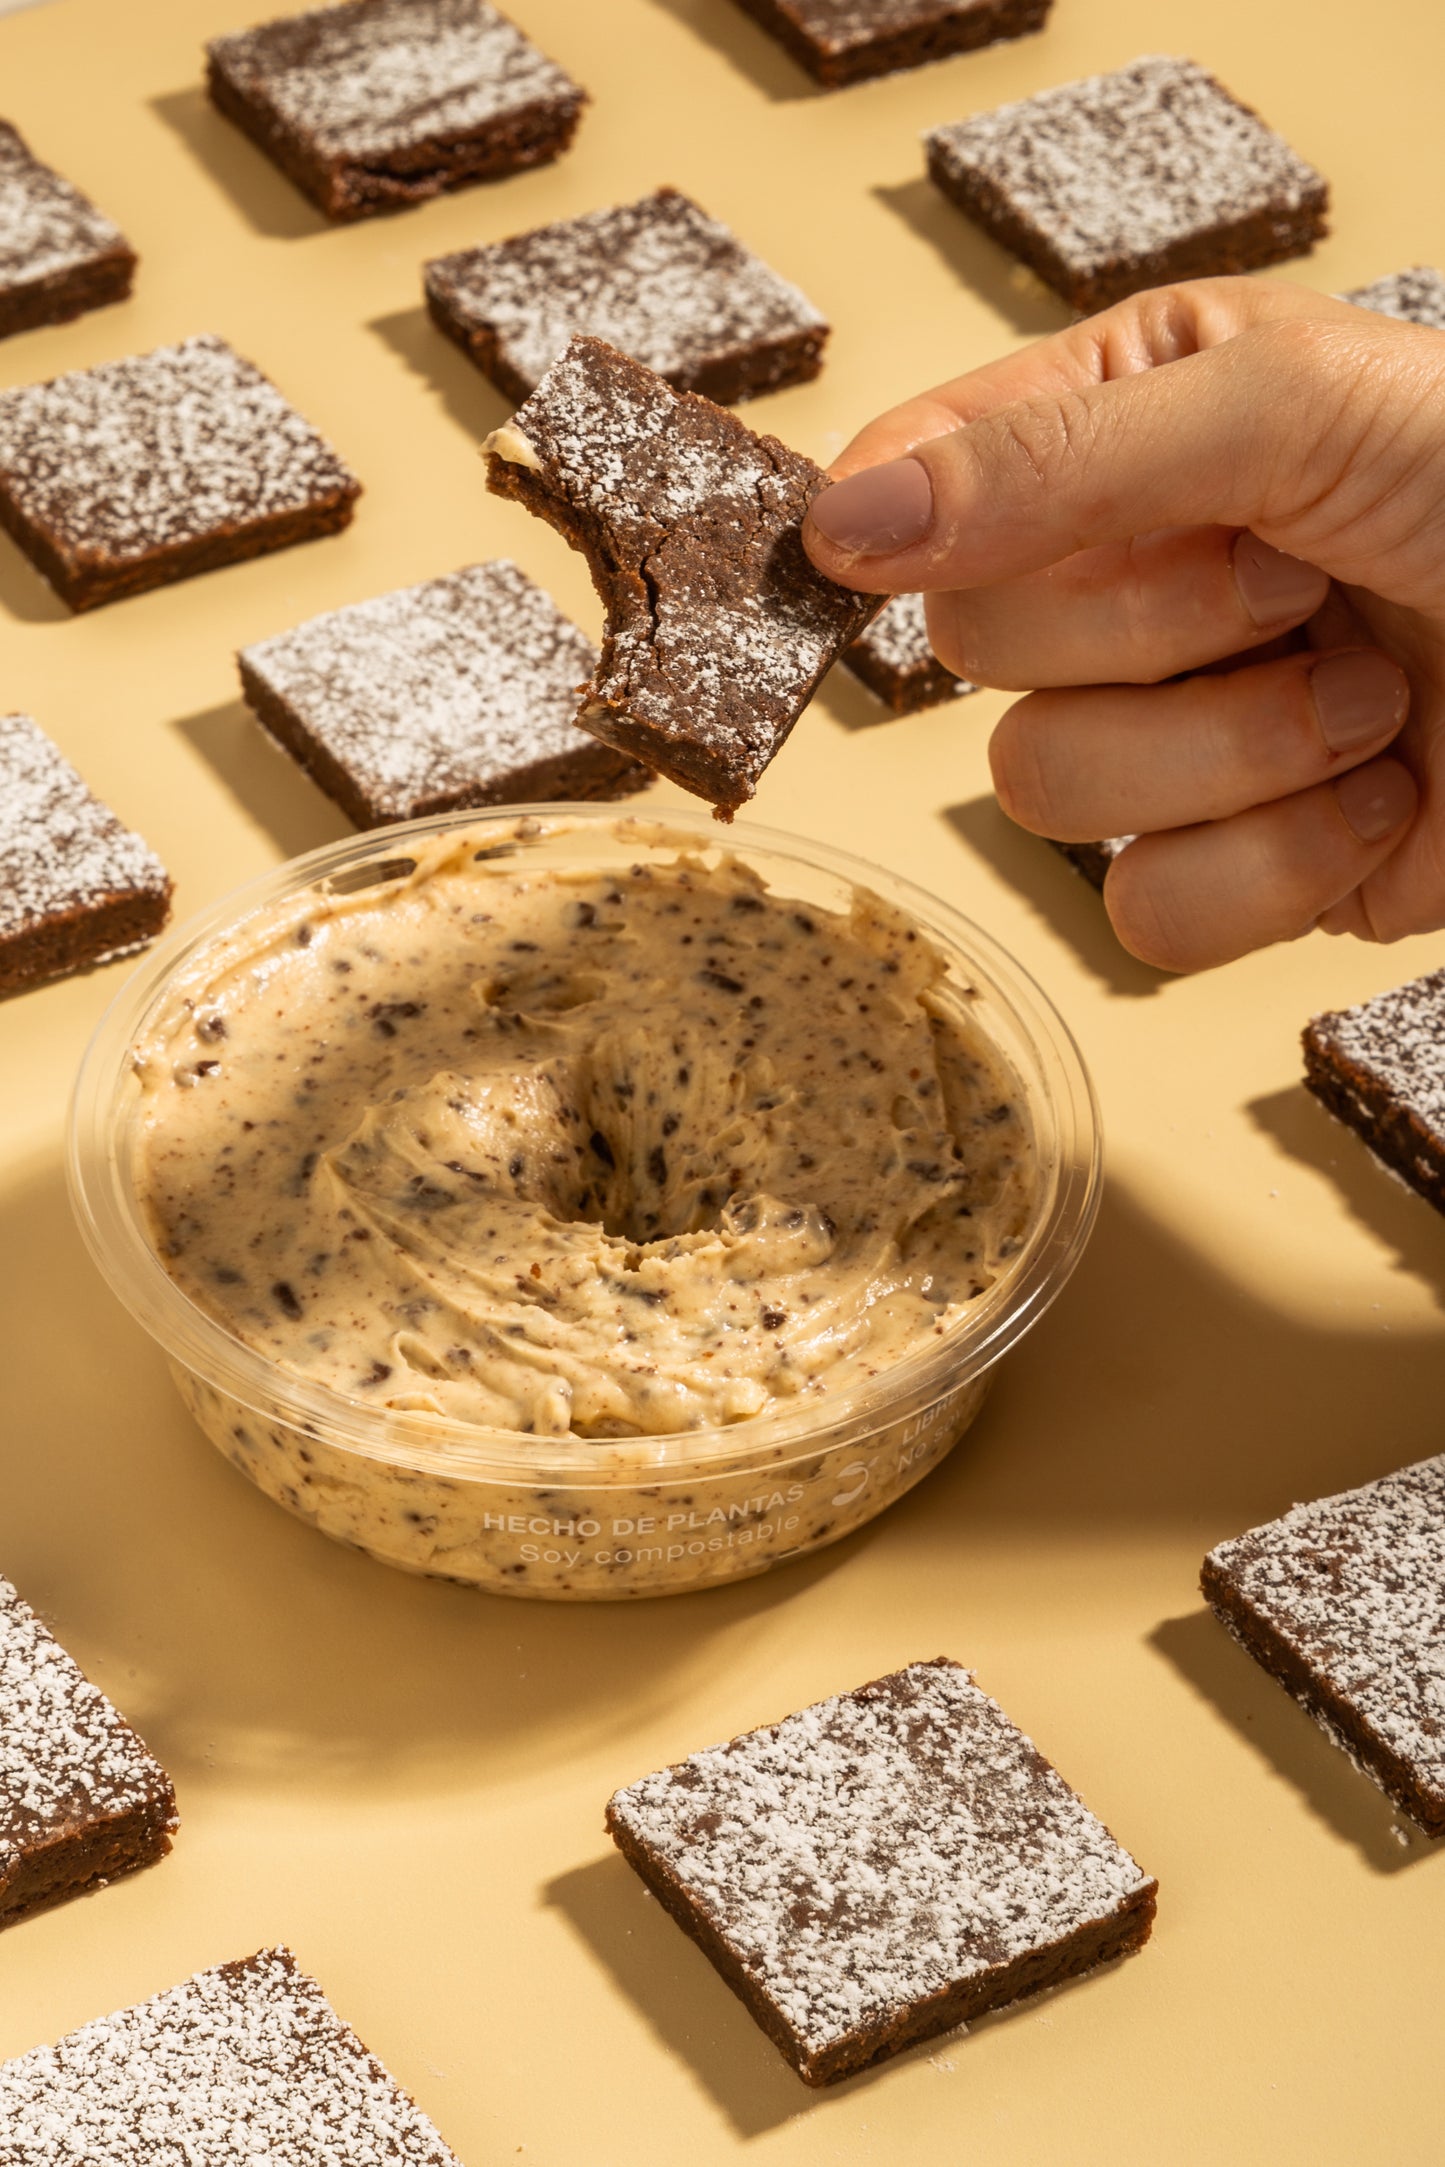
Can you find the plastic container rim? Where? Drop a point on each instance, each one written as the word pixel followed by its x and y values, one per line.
pixel 1062 1108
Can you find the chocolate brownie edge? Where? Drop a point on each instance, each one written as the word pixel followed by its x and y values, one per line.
pixel 1263 1641
pixel 480 344
pixel 59 947
pixel 1361 1102
pixel 63 295
pixel 79 1860
pixel 1091 859
pixel 963 29
pixel 313 176
pixel 904 694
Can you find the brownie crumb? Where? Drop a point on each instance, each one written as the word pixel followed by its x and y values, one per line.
pixel 718 627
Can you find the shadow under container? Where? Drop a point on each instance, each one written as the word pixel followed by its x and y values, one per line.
pixel 573 1518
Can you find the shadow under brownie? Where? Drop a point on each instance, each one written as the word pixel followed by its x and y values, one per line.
pixel 81 1799
pixel 1122 181
pixel 460 691
pixel 58 255
pixel 376 104
pixel 128 476
pixel 658 279
pixel 76 887
pixel 881 1867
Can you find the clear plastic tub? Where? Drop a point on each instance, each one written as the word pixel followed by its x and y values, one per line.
pixel 575 1518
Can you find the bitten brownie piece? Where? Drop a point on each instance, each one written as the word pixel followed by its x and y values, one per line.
pixel 1094 859
pixel 76 888
pixel 718 627
pixel 1343 1601
pixel 461 691
pixel 125 477
pixel 58 256
pixel 881 1867
pixel 1416 295
pixel 81 1800
pixel 894 659
pixel 380 103
pixel 847 41
pixel 1123 181
pixel 247 2061
pixel 658 279
pixel 1380 1068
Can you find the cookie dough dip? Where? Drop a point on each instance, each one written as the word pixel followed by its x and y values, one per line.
pixel 566 1204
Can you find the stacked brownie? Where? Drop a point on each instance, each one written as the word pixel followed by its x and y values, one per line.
pixel 58 255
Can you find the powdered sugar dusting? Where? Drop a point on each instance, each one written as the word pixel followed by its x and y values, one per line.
pixel 1355 1585
pixel 879 1847
pixel 67 1760
pixel 1416 295
pixel 1118 166
pixel 1398 1039
pixel 437 690
pixel 247 2061
pixel 60 848
pixel 158 449
pixel 897 640
pixel 658 279
pixel 373 77
pixel 46 226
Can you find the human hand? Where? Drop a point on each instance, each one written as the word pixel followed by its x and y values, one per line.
pixel 1179 480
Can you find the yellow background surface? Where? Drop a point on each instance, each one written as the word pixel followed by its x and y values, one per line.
pixel 405 1781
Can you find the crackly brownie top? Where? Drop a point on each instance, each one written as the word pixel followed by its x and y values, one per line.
pixel 726 625
pixel 1356 1585
pixel 837 26
pixel 376 76
pixel 1417 295
pixel 1398 1039
pixel 897 640
pixel 116 462
pixel 878 1847
pixel 46 226
pixel 247 2061
pixel 1117 166
pixel 66 1755
pixel 61 850
pixel 658 279
pixel 436 688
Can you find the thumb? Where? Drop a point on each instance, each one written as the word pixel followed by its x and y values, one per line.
pixel 1323 436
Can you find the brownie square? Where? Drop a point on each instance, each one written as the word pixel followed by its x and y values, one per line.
pixel 245 2062
pixel 58 256
pixel 658 279
pixel 1416 295
pixel 380 103
pixel 1128 180
pixel 76 888
pixel 848 41
pixel 139 472
pixel 1343 1601
pixel 461 691
pixel 894 659
pixel 718 627
pixel 881 1867
pixel 1380 1068
pixel 1094 859
pixel 81 1800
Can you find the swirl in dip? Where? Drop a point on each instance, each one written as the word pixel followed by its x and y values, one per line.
pixel 590 1153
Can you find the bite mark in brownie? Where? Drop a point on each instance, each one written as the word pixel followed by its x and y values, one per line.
pixel 658 279
pixel 58 255
pixel 1094 859
pixel 81 1799
pixel 245 2061
pixel 376 104
pixel 1343 1601
pixel 894 659
pixel 128 476
pixel 76 887
pixel 718 627
pixel 851 41
pixel 1118 182
pixel 1416 296
pixel 461 691
pixel 1380 1068
pixel 881 1867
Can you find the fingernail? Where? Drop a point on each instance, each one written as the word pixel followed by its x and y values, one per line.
pixel 1377 799
pixel 1272 586
pixel 1358 698
pixel 882 509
